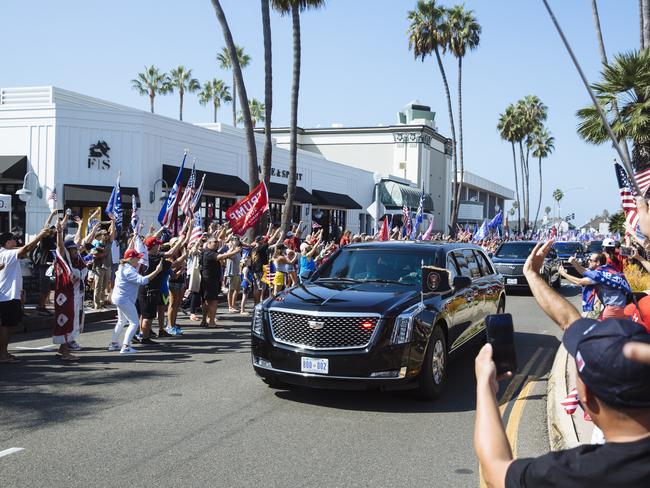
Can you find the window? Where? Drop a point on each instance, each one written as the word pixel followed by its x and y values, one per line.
pixel 462 264
pixel 472 264
pixel 484 263
pixel 451 266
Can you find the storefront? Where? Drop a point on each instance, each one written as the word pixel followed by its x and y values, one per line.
pixel 76 146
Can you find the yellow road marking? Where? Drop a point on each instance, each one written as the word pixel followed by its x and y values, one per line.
pixel 517 381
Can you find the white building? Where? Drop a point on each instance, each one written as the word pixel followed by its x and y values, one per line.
pixel 76 145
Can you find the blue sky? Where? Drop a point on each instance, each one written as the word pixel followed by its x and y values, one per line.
pixel 356 68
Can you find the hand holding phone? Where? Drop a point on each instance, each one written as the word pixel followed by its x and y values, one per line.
pixel 501 335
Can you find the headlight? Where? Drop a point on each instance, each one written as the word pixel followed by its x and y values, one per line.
pixel 403 328
pixel 257 326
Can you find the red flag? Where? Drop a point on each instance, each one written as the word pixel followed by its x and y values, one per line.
pixel 383 232
pixel 246 212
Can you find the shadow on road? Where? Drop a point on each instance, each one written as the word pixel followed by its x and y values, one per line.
pixel 567 290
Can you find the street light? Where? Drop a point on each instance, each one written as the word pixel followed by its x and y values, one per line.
pixel 163 186
pixel 25 193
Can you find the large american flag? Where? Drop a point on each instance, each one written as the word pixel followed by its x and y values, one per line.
pixel 197 195
pixel 627 193
pixel 188 194
pixel 197 229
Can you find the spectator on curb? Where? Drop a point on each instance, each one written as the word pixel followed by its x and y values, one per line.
pixel 43 257
pixel 590 303
pixel 613 390
pixel 232 272
pixel 611 251
pixel 11 284
pixel 211 278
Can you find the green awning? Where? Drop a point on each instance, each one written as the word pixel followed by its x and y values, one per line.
pixel 394 195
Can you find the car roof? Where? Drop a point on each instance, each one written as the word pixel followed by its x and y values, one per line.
pixel 401 245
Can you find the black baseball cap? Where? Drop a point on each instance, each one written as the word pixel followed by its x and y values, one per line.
pixel 598 351
pixel 6 237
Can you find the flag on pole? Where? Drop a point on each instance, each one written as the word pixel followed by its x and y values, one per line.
pixel 384 233
pixel 188 194
pixel 135 218
pixel 419 216
pixel 627 194
pixel 406 227
pixel 167 214
pixel 496 222
pixel 197 229
pixel 196 199
pixel 114 205
pixel 52 199
pixel 482 231
pixel 429 231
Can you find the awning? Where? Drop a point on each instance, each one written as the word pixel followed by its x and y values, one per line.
pixel 215 182
pixel 278 190
pixel 13 167
pixel 87 195
pixel 331 199
pixel 395 195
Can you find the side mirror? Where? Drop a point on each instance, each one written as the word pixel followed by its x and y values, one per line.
pixel 461 282
pixel 490 255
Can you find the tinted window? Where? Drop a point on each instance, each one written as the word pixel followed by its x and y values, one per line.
pixel 451 266
pixel 484 263
pixel 568 247
pixel 595 246
pixel 517 250
pixel 462 264
pixel 472 264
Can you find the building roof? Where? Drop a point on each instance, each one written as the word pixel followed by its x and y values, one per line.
pixel 481 183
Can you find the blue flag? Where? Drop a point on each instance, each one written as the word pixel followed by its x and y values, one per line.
pixel 419 216
pixel 114 205
pixel 482 231
pixel 497 221
pixel 166 215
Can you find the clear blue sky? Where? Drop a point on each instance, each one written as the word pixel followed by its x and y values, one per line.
pixel 356 68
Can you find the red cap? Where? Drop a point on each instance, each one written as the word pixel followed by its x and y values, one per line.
pixel 132 253
pixel 152 241
pixel 641 316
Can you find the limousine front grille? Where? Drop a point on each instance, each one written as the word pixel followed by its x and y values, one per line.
pixel 319 331
pixel 510 269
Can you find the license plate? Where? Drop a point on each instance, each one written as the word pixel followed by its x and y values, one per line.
pixel 313 365
pixel 511 281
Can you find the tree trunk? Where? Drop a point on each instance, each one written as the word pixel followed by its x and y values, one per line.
pixel 253 177
pixel 514 163
pixel 287 211
pixel 180 108
pixel 641 43
pixel 234 100
pixel 599 33
pixel 646 23
pixel 268 91
pixel 460 133
pixel 524 184
pixel 539 201
pixel 152 95
pixel 215 113
pixel 454 209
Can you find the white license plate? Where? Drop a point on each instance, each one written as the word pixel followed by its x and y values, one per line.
pixel 313 365
pixel 511 281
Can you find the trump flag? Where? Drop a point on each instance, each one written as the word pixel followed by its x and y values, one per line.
pixel 246 212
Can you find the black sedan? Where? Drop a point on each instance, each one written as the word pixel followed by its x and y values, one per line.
pixel 361 322
pixel 566 249
pixel 509 260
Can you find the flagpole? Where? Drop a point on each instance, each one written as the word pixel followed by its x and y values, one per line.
pixel 610 132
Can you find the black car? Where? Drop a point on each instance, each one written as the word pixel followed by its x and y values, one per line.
pixel 360 321
pixel 509 260
pixel 566 249
pixel 595 246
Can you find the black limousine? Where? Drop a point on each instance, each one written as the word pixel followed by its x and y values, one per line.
pixel 360 321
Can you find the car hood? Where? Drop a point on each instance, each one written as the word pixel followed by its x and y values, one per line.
pixel 385 299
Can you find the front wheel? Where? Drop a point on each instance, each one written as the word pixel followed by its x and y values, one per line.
pixel 434 369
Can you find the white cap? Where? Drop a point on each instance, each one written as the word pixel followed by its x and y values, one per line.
pixel 609 243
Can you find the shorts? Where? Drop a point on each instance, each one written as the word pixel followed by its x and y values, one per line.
pixel 258 284
pixel 11 313
pixel 278 279
pixel 234 283
pixel 209 290
pixel 149 303
pixel 176 285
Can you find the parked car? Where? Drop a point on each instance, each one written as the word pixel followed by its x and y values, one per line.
pixel 595 246
pixel 566 249
pixel 361 321
pixel 509 260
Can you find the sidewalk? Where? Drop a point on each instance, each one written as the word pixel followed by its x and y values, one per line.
pixel 32 321
pixel 564 431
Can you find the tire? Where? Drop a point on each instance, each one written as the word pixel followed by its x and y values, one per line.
pixel 557 283
pixel 274 382
pixel 432 379
pixel 501 308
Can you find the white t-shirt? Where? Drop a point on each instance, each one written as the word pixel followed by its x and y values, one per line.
pixel 11 276
pixel 115 252
pixel 127 282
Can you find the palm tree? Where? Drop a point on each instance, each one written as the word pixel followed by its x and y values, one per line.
pixel 428 34
pixel 547 210
pixel 253 172
pixel 293 7
pixel 268 92
pixel 257 111
pixel 464 35
pixel 532 114
pixel 215 91
pixel 225 62
pixel 151 82
pixel 181 78
pixel 558 195
pixel 509 131
pixel 543 144
pixel 626 83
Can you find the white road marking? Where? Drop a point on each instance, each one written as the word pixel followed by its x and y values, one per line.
pixel 11 450
pixel 41 348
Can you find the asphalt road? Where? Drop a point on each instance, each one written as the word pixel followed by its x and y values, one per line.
pixel 190 412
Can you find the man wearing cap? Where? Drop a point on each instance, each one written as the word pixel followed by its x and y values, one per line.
pixel 11 285
pixel 613 258
pixel 612 389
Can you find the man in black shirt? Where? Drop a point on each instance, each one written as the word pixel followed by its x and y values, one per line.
pixel 211 278
pixel 259 259
pixel 612 389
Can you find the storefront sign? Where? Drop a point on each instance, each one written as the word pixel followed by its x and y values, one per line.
pixel 98 156
pixel 5 203
pixel 281 173
pixel 246 212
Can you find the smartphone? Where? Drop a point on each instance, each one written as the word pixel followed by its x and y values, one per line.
pixel 501 334
pixel 626 251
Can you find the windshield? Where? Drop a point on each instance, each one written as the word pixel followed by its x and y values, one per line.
pixel 595 246
pixel 516 250
pixel 376 265
pixel 568 247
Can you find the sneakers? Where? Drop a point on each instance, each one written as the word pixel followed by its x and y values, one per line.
pixel 114 346
pixel 147 340
pixel 138 337
pixel 164 333
pixel 174 331
pixel 128 350
pixel 74 346
pixel 153 335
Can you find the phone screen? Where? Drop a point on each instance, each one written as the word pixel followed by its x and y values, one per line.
pixel 501 334
pixel 626 251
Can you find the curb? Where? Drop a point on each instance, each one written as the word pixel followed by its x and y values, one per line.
pixel 561 429
pixel 33 324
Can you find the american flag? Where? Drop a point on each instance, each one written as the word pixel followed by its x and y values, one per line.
pixel 197 230
pixel 406 229
pixel 315 225
pixel 197 196
pixel 627 196
pixel 643 179
pixel 135 218
pixel 570 403
pixel 188 194
pixel 51 199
